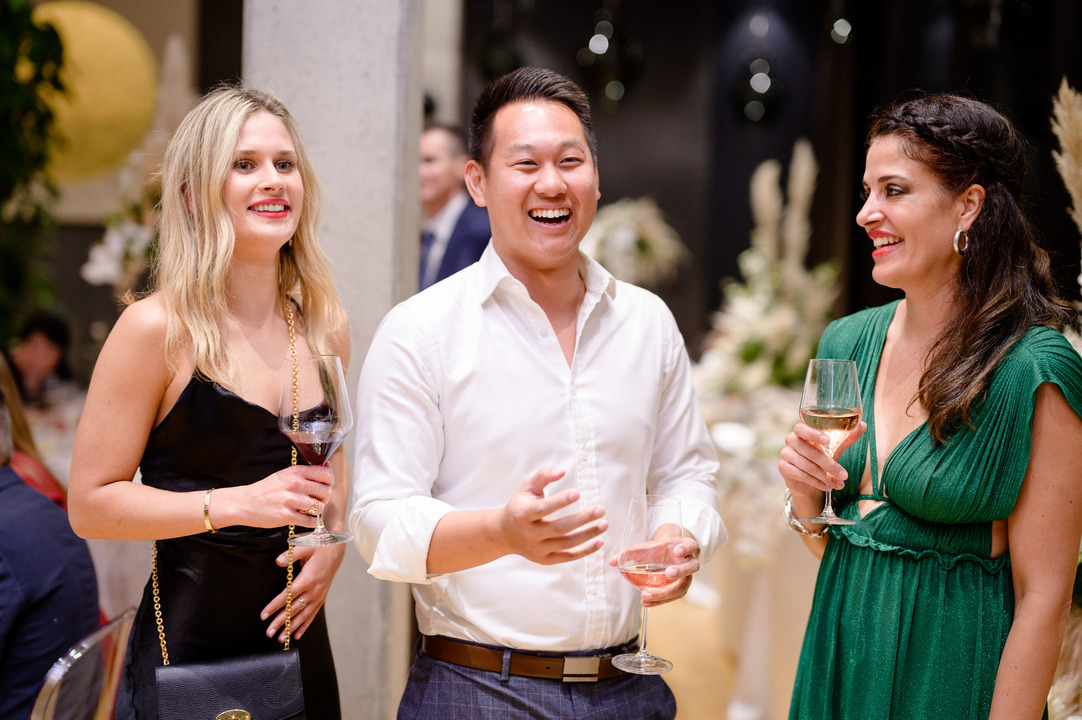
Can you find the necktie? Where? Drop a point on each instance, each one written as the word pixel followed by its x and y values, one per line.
pixel 426 245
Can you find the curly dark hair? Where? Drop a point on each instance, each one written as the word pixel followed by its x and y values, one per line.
pixel 1005 285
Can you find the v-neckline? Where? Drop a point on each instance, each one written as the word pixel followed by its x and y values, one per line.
pixel 873 455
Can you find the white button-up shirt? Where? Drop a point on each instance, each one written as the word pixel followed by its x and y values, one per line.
pixel 465 393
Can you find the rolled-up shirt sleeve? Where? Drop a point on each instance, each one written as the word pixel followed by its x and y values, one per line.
pixel 397 452
pixel 393 536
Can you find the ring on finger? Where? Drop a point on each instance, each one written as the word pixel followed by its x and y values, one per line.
pixel 313 509
pixel 303 602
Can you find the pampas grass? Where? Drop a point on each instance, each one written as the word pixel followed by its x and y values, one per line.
pixel 1065 697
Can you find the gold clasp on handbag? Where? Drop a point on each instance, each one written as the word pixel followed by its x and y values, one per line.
pixel 234 715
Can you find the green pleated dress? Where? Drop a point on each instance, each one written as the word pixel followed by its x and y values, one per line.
pixel 911 613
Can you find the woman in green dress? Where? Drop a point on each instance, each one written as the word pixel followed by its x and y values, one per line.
pixel 949 596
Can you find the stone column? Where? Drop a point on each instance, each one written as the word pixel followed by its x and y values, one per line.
pixel 349 72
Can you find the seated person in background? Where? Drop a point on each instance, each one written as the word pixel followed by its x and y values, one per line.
pixel 39 360
pixel 26 460
pixel 48 592
pixel 455 231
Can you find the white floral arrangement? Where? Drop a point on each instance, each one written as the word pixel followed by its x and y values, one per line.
pixel 749 376
pixel 120 258
pixel 631 239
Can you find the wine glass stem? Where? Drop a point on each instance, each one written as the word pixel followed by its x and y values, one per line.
pixel 828 506
pixel 642 635
pixel 320 528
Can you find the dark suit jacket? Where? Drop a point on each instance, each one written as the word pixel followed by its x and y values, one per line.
pixel 48 591
pixel 468 240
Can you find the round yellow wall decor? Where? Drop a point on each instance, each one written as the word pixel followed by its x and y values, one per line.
pixel 110 76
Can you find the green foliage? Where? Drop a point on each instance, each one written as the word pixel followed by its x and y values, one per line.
pixel 30 61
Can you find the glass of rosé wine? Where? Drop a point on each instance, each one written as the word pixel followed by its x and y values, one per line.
pixel 652 530
pixel 315 415
pixel 831 405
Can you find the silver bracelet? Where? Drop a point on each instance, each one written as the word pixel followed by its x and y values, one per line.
pixel 796 524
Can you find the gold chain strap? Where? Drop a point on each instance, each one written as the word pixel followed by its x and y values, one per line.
pixel 289 567
pixel 293 461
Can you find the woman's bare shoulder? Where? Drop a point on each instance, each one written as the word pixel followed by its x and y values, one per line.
pixel 146 317
pixel 137 341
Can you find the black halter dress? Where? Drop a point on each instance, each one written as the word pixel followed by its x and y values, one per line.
pixel 213 586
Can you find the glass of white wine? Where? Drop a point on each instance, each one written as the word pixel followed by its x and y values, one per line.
pixel 831 405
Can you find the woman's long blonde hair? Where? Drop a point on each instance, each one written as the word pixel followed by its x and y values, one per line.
pixel 22 438
pixel 196 236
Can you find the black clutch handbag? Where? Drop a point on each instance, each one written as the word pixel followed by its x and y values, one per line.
pixel 266 686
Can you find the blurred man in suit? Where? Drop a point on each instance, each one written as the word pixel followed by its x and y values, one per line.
pixel 455 231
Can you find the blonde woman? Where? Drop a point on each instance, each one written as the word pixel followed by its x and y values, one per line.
pixel 187 387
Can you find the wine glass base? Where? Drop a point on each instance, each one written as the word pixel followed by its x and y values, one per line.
pixel 325 539
pixel 642 663
pixel 828 520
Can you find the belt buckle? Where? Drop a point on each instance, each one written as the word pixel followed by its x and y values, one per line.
pixel 581 669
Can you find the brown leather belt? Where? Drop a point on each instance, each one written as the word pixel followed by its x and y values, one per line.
pixel 590 668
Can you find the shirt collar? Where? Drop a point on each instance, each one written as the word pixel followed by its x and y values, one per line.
pixel 493 273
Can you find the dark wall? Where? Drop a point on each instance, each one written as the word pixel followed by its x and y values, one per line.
pixel 679 134
pixel 656 140
pixel 750 36
pixel 1014 61
pixel 221 28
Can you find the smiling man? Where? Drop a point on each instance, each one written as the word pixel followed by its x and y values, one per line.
pixel 507 416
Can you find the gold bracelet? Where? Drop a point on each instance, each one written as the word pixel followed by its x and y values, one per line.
pixel 796 524
pixel 206 511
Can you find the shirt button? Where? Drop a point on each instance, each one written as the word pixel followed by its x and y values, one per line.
pixel 543 332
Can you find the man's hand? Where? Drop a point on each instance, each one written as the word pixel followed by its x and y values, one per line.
pixel 682 554
pixel 530 530
pixel 525 526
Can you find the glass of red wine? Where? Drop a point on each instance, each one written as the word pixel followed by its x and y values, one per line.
pixel 831 405
pixel 315 415
pixel 652 530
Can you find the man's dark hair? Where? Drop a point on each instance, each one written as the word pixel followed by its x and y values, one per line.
pixel 54 329
pixel 51 326
pixel 528 83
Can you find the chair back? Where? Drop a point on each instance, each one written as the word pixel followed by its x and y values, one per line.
pixel 82 684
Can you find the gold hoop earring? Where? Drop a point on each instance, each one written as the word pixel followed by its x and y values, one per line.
pixel 961 241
